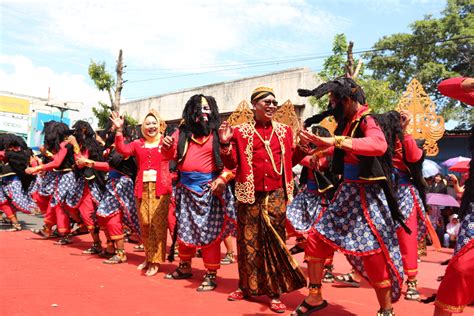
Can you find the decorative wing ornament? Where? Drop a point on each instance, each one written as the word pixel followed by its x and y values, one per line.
pixel 425 124
pixel 329 123
pixel 242 114
pixel 286 114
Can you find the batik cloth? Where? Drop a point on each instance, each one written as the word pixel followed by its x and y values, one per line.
pixel 12 192
pixel 118 197
pixel 265 265
pixel 74 197
pixel 153 217
pixel 201 216
pixel 358 223
pixel 304 210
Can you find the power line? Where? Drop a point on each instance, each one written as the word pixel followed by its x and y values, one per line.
pixel 274 61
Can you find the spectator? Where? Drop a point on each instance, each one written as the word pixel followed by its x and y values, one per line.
pixel 438 185
pixel 452 230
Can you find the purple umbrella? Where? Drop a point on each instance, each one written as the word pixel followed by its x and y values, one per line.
pixel 452 161
pixel 441 200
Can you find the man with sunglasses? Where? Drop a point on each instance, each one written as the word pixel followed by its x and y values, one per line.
pixel 262 152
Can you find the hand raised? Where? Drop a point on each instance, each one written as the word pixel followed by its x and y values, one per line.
pixel 226 131
pixel 117 120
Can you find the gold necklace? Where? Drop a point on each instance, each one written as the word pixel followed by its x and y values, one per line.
pixel 200 142
pixel 266 143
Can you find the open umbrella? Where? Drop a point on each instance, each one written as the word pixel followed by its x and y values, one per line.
pixel 461 166
pixel 430 168
pixel 452 161
pixel 441 200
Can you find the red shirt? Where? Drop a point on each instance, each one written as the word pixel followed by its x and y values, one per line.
pixel 412 152
pixel 372 144
pixel 198 157
pixel 452 88
pixel 265 177
pixel 156 158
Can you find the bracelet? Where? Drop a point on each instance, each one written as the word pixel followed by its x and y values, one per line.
pixel 338 140
pixel 77 149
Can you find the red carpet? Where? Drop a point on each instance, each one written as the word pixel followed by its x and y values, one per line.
pixel 39 278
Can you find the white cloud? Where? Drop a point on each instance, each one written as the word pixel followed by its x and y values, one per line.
pixel 180 34
pixel 18 74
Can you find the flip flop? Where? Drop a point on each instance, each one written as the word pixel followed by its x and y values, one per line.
pixel 347 279
pixel 310 308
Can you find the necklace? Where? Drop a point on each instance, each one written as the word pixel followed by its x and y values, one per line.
pixel 266 143
pixel 200 142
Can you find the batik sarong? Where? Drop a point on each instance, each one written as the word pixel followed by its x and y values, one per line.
pixel 12 192
pixel 304 210
pixel 265 265
pixel 118 197
pixel 358 223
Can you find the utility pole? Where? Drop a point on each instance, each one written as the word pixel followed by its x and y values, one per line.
pixel 62 109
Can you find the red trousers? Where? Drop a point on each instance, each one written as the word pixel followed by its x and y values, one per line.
pixel 56 216
pixel 7 209
pixel 374 265
pixel 86 209
pixel 409 245
pixel 211 254
pixel 41 201
pixel 112 225
pixel 457 288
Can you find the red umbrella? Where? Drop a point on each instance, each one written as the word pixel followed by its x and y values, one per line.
pixel 441 200
pixel 461 166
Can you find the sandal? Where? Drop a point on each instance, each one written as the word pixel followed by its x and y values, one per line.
pixel 63 241
pixel 142 266
pixel 209 283
pixel 16 227
pixel 386 312
pixel 328 276
pixel 277 307
pixel 139 248
pixel 309 308
pixel 412 291
pixel 228 259
pixel 119 257
pixel 153 269
pixel 178 274
pixel 347 279
pixel 237 296
pixel 105 254
pixel 94 250
pixel 44 232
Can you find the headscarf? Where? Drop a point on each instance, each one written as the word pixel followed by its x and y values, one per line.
pixel 161 126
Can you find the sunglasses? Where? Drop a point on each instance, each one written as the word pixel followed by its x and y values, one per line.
pixel 268 102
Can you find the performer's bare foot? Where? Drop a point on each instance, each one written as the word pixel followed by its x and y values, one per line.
pixel 152 269
pixel 142 266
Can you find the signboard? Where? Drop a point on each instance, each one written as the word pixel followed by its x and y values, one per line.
pixel 14 123
pixel 42 118
pixel 14 105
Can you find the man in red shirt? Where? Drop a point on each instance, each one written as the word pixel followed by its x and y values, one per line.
pixel 204 202
pixel 262 151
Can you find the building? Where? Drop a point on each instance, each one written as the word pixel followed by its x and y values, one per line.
pixel 229 94
pixel 25 115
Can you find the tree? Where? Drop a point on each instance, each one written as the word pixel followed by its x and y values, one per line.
pixel 380 97
pixel 104 81
pixel 436 49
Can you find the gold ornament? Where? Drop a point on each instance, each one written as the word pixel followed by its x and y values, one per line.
pixel 425 124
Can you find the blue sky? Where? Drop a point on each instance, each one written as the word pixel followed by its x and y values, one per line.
pixel 174 45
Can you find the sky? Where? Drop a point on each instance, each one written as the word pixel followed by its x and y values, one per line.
pixel 174 45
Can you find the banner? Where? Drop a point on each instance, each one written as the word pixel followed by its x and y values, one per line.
pixel 14 123
pixel 14 105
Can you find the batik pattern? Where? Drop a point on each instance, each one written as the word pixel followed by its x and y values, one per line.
pixel 466 231
pixel 304 210
pixel 409 201
pixel 118 196
pixel 265 265
pixel 12 192
pixel 202 218
pixel 359 223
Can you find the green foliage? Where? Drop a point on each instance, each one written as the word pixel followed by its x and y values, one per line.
pixel 436 49
pixel 103 113
pixel 103 80
pixel 379 95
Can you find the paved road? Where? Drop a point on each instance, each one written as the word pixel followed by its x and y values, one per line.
pixel 27 221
